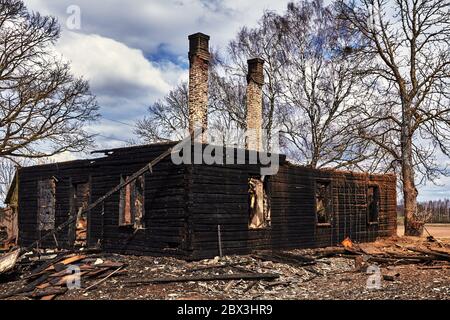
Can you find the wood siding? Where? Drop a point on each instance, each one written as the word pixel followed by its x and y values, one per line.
pixel 184 204
pixel 220 197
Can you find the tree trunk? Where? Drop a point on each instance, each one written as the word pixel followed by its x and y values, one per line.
pixel 413 227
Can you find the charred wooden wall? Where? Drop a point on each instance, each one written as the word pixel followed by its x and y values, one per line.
pixel 220 197
pixel 64 174
pixel 184 204
pixel 164 219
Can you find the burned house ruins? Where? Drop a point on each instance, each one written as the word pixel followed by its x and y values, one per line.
pixel 196 211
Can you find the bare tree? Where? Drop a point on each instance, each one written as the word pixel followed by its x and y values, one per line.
pixel 43 107
pixel 320 88
pixel 310 89
pixel 227 104
pixel 406 45
pixel 167 119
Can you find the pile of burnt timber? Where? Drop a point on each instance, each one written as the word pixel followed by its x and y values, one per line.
pixel 364 255
pixel 418 254
pixel 48 275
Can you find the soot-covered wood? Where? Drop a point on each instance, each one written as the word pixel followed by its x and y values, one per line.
pixel 184 204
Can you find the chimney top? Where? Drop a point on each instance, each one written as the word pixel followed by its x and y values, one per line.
pixel 199 35
pixel 199 45
pixel 256 70
pixel 255 61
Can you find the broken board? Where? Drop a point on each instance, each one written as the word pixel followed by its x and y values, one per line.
pixel 8 261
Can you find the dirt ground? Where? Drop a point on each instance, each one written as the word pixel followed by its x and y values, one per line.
pixel 339 276
pixel 436 230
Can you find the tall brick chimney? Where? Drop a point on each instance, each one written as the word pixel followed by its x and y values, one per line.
pixel 255 80
pixel 198 83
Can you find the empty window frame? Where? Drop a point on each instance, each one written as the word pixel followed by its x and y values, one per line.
pixel 131 205
pixel 373 204
pixel 259 204
pixel 46 204
pixel 80 201
pixel 323 202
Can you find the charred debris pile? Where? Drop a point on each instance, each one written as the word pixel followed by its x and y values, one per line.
pixel 47 274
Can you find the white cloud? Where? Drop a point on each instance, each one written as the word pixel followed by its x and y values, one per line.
pixel 124 81
pixel 111 134
pixel 62 157
pixel 133 53
pixel 113 68
pixel 162 25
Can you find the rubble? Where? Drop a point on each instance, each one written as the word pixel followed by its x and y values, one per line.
pixel 327 273
pixel 8 261
pixel 46 275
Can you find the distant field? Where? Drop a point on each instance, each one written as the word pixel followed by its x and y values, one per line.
pixel 436 230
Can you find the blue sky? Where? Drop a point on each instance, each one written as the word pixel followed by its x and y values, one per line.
pixel 134 52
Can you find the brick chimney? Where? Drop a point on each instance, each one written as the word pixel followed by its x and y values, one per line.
pixel 198 83
pixel 255 80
